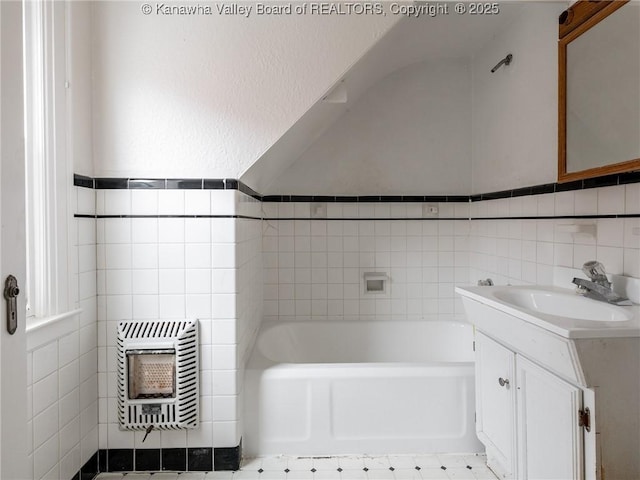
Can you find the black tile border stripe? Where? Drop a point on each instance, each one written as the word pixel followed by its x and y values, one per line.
pixel 187 459
pixel 235 184
pixel 213 184
pixel 185 184
pixel 367 198
pixel 201 460
pixel 534 217
pixel 149 183
pixel 147 459
pixel 174 459
pixel 120 459
pixel 111 183
pixel 90 469
pixel 90 216
pixel 227 458
pixel 370 219
pixel 83 181
pixel 561 217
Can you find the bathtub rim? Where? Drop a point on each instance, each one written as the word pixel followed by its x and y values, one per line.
pixel 258 361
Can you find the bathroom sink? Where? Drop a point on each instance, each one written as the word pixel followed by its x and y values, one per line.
pixel 561 304
pixel 555 309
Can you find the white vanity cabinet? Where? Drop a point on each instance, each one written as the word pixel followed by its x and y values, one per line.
pixel 557 396
pixel 496 404
pixel 526 416
pixel 549 435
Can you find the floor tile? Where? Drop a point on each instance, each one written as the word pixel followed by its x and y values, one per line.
pixel 460 473
pixel 327 475
pixel 402 461
pixel 191 476
pixel 380 474
pixel 483 473
pixel 274 463
pixel 300 464
pixel 427 461
pixel 165 476
pixel 245 475
pixel 453 461
pixel 434 474
pixel 300 475
pixel 252 464
pixel 217 476
pixel 329 463
pixel 377 463
pixel 351 462
pixel 476 460
pixel 407 474
pixel 273 475
pixel 348 467
pixel 352 474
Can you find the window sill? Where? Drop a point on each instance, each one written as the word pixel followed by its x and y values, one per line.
pixel 41 331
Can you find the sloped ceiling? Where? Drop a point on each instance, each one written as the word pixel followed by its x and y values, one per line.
pixel 411 40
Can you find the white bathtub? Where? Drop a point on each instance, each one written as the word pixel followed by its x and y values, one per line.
pixel 328 388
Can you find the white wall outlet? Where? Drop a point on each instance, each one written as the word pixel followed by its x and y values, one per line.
pixel 429 210
pixel 318 210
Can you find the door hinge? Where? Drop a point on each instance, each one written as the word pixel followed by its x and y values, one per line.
pixel 584 419
pixel 474 345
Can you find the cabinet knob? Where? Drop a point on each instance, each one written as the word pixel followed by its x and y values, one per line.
pixel 503 381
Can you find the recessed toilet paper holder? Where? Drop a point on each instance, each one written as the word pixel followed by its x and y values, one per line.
pixel 375 282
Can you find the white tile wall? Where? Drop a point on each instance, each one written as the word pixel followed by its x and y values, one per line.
pixel 525 251
pixel 230 272
pixel 313 269
pixel 205 268
pixel 248 276
pixel 62 374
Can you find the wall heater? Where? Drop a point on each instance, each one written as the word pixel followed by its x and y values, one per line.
pixel 158 374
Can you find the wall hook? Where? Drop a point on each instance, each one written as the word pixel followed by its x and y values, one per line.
pixel 505 61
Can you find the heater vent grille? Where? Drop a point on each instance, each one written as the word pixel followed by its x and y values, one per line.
pixel 158 372
pixel 154 328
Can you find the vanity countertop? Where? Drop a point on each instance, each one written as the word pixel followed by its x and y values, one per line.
pixel 558 310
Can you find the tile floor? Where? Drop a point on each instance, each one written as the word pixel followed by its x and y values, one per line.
pixel 405 467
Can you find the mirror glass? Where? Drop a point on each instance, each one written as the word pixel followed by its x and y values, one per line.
pixel 602 80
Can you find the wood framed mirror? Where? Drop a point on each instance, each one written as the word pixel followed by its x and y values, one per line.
pixel 599 89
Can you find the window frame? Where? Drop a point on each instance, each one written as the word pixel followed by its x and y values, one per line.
pixel 48 169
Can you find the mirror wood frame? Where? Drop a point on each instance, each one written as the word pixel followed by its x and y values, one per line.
pixel 575 21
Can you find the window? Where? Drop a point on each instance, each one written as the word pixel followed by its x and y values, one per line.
pixel 47 170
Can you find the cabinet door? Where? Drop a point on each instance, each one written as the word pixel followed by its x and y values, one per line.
pixel 495 404
pixel 549 437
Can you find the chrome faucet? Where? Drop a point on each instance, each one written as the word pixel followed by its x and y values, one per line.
pixel 599 287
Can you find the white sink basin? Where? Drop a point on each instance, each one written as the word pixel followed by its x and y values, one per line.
pixel 558 310
pixel 563 305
